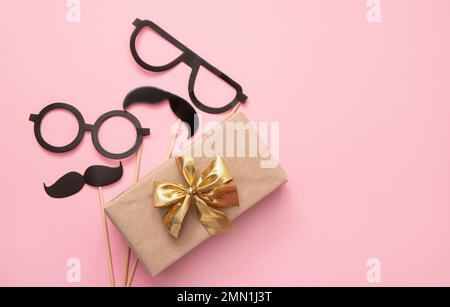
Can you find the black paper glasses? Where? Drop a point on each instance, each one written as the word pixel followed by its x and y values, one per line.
pixel 191 59
pixel 83 127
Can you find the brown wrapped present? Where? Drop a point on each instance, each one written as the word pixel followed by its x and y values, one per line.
pixel 246 160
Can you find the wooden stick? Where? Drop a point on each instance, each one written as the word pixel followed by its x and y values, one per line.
pixel 138 164
pixel 172 144
pixel 127 265
pixel 106 234
pixel 128 251
pixel 133 271
pixel 235 109
pixel 169 155
pixel 174 139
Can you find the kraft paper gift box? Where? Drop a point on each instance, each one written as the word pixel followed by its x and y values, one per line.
pixel 248 162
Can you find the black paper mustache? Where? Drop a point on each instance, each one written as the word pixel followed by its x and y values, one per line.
pixel 180 107
pixel 73 182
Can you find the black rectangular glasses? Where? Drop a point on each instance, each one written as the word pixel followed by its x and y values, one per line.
pixel 190 58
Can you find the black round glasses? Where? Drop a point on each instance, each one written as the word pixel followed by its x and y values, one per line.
pixel 83 127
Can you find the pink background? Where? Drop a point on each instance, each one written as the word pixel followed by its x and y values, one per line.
pixel 364 117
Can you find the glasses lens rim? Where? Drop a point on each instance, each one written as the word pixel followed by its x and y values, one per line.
pixel 238 98
pixel 38 125
pixel 102 119
pixel 137 57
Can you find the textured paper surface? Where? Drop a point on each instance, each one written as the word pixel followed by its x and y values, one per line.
pixel 133 214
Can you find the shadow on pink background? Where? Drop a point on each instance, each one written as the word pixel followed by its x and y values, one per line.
pixel 365 137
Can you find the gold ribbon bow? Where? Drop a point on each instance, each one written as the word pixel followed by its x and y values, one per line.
pixel 214 188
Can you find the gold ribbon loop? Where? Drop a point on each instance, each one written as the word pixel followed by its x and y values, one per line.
pixel 214 188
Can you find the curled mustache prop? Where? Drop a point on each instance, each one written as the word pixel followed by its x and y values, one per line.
pixel 152 95
pixel 73 182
